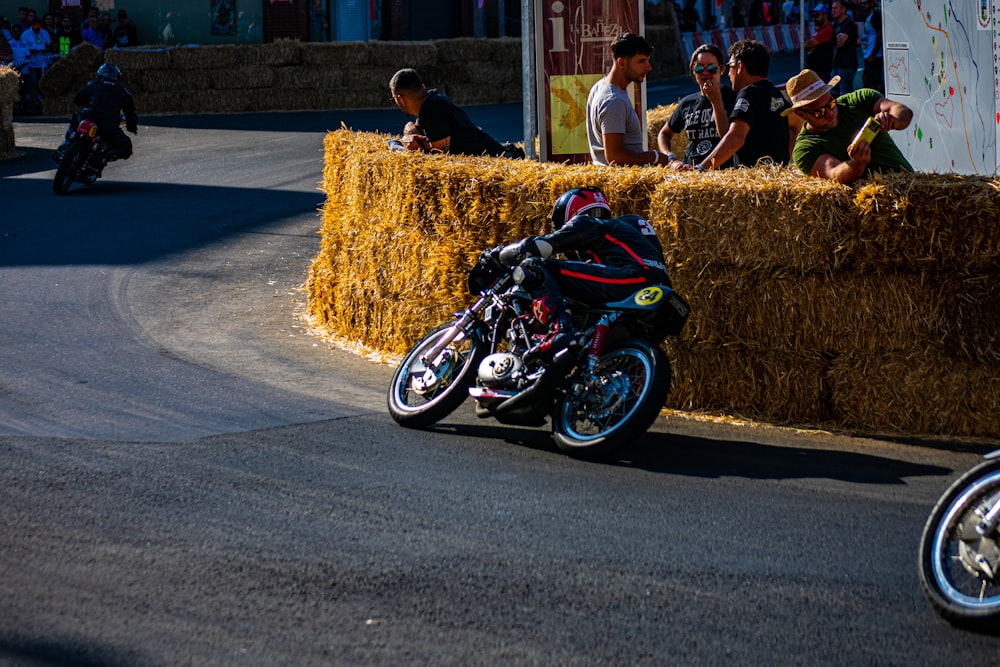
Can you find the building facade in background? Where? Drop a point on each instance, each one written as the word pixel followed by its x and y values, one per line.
pixel 172 22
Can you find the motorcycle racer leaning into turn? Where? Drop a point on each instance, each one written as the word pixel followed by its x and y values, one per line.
pixel 610 258
pixel 105 100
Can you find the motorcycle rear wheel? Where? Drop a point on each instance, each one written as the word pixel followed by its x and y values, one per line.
pixel 420 396
pixel 961 597
pixel 69 167
pixel 631 383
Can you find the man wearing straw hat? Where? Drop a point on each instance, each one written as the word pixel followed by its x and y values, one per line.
pixel 829 145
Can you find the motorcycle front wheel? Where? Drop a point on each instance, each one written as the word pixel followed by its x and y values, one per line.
pixel 616 404
pixel 69 167
pixel 424 393
pixel 957 563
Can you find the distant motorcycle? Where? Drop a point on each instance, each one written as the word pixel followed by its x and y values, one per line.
pixel 959 552
pixel 83 159
pixel 601 395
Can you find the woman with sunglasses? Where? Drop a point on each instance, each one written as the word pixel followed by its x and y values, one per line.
pixel 702 116
pixel 825 147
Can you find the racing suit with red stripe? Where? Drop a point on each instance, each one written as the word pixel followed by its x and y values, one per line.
pixel 611 259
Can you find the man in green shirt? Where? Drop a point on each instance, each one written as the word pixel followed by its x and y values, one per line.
pixel 825 147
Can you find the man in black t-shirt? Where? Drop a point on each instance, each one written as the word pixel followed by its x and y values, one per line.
pixel 756 127
pixel 440 126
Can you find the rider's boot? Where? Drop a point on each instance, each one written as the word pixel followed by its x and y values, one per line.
pixel 554 312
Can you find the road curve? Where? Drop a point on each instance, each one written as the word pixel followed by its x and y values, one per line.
pixel 188 477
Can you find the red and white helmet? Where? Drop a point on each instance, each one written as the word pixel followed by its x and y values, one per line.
pixel 577 201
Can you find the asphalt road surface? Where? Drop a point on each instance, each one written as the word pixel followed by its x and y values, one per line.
pixel 187 476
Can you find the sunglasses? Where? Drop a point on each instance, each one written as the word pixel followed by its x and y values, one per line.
pixel 711 69
pixel 820 112
pixel 732 63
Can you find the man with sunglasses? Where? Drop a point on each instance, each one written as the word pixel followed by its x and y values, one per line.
pixel 825 147
pixel 757 128
pixel 702 116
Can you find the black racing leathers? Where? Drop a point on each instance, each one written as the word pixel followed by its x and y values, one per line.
pixel 610 259
pixel 104 103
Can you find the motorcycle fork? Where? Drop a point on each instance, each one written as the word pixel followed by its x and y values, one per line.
pixel 432 357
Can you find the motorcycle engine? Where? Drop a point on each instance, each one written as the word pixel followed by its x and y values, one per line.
pixel 500 371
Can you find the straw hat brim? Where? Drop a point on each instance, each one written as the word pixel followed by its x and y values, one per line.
pixel 818 94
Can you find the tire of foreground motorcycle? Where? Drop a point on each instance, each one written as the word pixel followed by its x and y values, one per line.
pixel 966 613
pixel 454 391
pixel 68 168
pixel 656 376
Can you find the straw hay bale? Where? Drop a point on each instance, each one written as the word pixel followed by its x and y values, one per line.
pixel 929 220
pixel 279 53
pixel 797 315
pixel 418 55
pixel 773 385
pixel 130 60
pixel 213 56
pixel 656 118
pixel 767 217
pixel 916 393
pixel 71 72
pixel 458 50
pixel 170 80
pixel 305 77
pixel 250 76
pixel 846 312
pixel 9 85
pixel 338 54
pixel 371 78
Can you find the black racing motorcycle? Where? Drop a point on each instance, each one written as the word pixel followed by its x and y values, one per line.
pixel 600 394
pixel 83 159
pixel 960 549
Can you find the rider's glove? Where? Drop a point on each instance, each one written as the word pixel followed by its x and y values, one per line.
pixel 491 258
pixel 515 253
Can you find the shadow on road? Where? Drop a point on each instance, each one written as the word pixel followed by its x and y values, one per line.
pixel 125 222
pixel 702 457
pixel 63 652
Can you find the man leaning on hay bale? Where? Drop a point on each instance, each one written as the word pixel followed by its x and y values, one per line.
pixel 830 144
pixel 441 126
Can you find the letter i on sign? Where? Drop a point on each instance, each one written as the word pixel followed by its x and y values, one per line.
pixel 558 28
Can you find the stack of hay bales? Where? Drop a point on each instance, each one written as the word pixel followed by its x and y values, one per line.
pixel 68 75
pixel 872 307
pixel 291 75
pixel 9 84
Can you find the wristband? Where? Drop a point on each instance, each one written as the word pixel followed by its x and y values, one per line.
pixel 656 158
pixel 671 157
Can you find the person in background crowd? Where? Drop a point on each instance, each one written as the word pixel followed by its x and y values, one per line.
pixel 107 33
pixel 23 19
pixel 845 55
pixel 92 32
pixel 124 33
pixel 826 148
pixel 790 10
pixel 49 24
pixel 6 52
pixel 872 75
pixel 704 115
pixel 68 36
pixel 820 45
pixel 613 128
pixel 690 20
pixel 440 125
pixel 37 42
pixel 757 129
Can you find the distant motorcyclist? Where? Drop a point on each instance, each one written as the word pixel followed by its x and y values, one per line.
pixel 105 100
pixel 611 258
